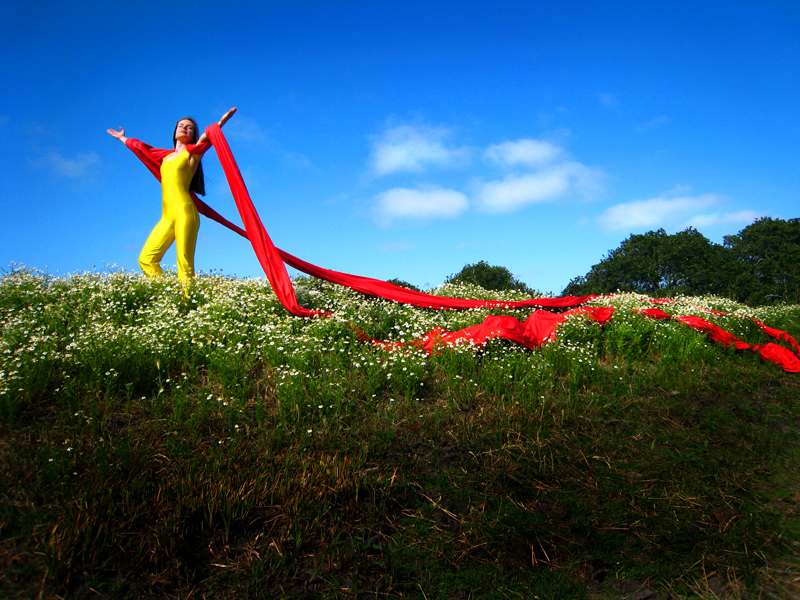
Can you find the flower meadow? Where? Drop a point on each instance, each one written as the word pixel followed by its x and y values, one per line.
pixel 203 440
pixel 116 332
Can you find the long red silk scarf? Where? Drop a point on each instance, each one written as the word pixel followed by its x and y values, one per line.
pixel 537 329
pixel 770 351
pixel 268 255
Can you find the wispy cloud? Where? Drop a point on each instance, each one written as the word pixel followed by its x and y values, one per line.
pixel 550 183
pixel 673 209
pixel 414 148
pixel 73 168
pixel 420 204
pixel 297 159
pixel 526 152
pixel 608 99
pixel 653 124
pixel 249 131
pixel 517 191
pixel 741 217
pixel 244 129
pixel 398 247
pixel 537 171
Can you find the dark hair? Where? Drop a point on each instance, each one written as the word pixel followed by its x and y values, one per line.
pixel 198 185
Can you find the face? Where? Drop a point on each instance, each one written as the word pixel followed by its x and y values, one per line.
pixel 185 131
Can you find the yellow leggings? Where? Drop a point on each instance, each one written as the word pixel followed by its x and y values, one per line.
pixel 179 221
pixel 182 229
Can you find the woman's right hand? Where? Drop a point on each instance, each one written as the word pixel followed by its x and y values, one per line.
pixel 226 116
pixel 120 135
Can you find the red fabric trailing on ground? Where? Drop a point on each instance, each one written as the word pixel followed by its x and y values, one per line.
pixel 779 335
pixel 537 329
pixel 779 355
pixel 152 159
pixel 265 250
pixel 272 259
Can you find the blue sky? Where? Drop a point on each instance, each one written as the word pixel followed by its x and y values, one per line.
pixel 401 139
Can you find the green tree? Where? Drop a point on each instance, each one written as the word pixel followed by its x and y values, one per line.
pixel 489 278
pixel 658 264
pixel 404 284
pixel 766 255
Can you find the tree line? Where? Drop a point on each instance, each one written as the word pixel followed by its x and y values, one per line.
pixel 759 265
pixel 489 277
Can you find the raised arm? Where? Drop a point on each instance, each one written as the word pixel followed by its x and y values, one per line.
pixel 197 150
pixel 227 116
pixel 151 157
pixel 120 135
pixel 222 121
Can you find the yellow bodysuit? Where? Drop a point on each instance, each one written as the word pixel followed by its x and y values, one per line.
pixel 179 220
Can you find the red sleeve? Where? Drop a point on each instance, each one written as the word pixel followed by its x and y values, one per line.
pixel 200 148
pixel 151 157
pixel 272 259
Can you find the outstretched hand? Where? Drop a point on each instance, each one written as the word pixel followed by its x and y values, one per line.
pixel 227 116
pixel 222 121
pixel 120 135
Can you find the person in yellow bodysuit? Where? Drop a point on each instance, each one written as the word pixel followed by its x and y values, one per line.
pixel 181 173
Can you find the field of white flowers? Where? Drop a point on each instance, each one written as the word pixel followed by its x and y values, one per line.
pixel 203 441
pixel 117 332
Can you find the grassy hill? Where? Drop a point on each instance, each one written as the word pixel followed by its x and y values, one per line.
pixel 211 445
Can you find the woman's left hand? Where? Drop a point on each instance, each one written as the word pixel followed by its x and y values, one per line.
pixel 120 135
pixel 222 121
pixel 227 116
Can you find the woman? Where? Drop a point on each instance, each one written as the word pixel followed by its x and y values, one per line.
pixel 181 173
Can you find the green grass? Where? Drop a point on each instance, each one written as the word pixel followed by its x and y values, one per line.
pixel 215 446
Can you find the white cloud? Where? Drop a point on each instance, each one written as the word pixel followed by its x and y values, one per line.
pixel 655 212
pixel 297 159
pixel 531 153
pixel 398 246
pixel 546 185
pixel 679 190
pixel 72 167
pixel 244 129
pixel 654 124
pixel 608 100
pixel 742 217
pixel 674 210
pixel 542 172
pixel 414 148
pixel 423 204
pixel 516 191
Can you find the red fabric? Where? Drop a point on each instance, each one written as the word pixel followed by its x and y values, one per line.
pixel 152 159
pixel 779 335
pixel 389 291
pixel 537 329
pixel 660 300
pixel 779 355
pixel 265 250
pixel 269 255
pixel 272 258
